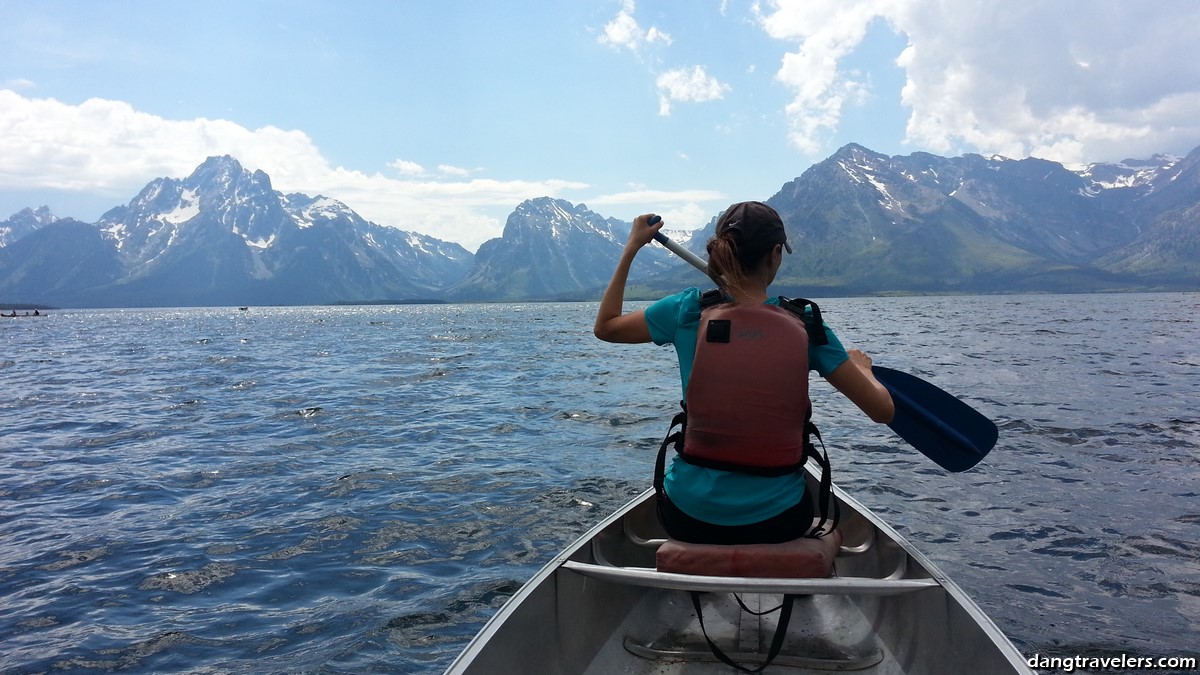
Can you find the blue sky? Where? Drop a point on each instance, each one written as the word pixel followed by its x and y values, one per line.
pixel 440 117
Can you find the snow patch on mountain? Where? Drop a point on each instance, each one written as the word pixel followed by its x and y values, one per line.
pixel 322 208
pixel 188 208
pixel 418 243
pixel 867 174
pixel 115 231
pixel 681 237
pixel 261 244
pixel 1129 173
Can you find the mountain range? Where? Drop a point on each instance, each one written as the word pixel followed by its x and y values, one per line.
pixel 863 222
pixel 860 222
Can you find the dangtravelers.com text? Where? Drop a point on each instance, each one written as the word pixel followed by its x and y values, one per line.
pixel 1069 664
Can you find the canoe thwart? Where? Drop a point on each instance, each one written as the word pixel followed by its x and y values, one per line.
pixel 652 578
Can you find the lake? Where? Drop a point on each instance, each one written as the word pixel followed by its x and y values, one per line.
pixel 355 489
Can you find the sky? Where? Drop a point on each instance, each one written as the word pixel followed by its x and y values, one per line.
pixel 441 117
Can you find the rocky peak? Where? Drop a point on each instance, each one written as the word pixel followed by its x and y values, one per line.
pixel 23 222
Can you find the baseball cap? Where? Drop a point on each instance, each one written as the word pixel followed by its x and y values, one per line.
pixel 759 226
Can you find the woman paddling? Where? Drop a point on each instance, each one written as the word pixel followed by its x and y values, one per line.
pixel 745 384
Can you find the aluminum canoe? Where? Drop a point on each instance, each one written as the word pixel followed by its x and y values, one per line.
pixel 600 607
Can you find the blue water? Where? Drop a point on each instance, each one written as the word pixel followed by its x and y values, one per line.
pixel 354 489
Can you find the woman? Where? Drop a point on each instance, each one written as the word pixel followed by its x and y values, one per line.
pixel 735 482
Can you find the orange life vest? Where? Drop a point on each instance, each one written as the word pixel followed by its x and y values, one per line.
pixel 747 398
pixel 749 386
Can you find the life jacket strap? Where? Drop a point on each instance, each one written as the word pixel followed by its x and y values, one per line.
pixel 671 440
pixel 814 325
pixel 712 297
pixel 827 506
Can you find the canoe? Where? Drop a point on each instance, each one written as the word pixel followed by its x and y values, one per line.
pixel 601 607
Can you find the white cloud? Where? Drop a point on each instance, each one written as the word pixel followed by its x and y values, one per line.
pixel 624 31
pixel 827 32
pixel 104 146
pixel 410 169
pixel 1055 80
pixel 689 216
pixel 407 168
pixel 656 196
pixel 688 85
pixel 680 209
pixel 17 84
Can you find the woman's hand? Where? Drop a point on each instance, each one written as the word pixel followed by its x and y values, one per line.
pixel 642 231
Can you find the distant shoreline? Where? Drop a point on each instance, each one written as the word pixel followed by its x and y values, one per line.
pixel 414 301
pixel 634 295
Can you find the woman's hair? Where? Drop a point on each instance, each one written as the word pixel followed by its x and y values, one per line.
pixel 746 232
pixel 729 264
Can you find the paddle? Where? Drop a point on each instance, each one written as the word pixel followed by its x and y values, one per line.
pixel 951 433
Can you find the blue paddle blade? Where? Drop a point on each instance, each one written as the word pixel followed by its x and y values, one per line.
pixel 941 427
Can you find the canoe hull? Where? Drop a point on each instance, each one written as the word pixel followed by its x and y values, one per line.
pixel 599 607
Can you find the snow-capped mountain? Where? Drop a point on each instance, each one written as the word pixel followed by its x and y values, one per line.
pixel 1129 173
pixel 861 221
pixel 24 222
pixel 223 235
pixel 551 249
pixel 1166 214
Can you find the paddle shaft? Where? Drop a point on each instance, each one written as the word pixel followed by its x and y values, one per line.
pixel 677 248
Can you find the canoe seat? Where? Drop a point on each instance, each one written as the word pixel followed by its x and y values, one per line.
pixel 804 558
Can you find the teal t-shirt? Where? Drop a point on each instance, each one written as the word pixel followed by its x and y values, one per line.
pixel 724 497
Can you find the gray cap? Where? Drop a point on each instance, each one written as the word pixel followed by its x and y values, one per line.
pixel 759 226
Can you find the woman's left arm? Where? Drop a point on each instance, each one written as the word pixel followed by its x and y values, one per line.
pixel 856 382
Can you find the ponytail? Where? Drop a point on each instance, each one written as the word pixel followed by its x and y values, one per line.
pixel 723 265
pixel 728 264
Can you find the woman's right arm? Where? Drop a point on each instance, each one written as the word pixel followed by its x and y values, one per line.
pixel 611 325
